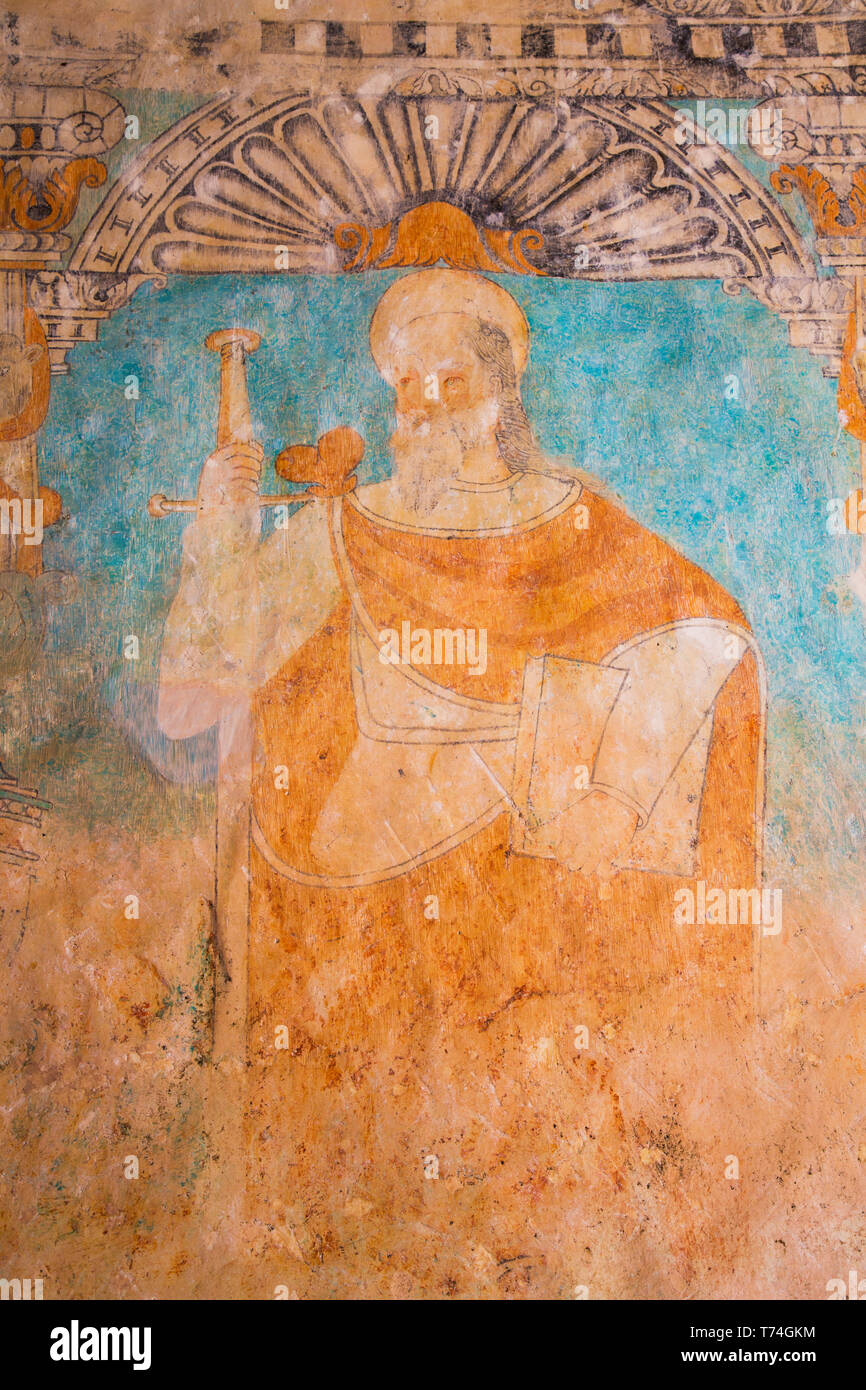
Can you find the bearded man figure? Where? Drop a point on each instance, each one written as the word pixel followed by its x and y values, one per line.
pixel 507 1051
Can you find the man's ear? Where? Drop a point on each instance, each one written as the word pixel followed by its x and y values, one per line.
pixel 33 352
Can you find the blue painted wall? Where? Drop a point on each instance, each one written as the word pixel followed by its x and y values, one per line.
pixel 628 381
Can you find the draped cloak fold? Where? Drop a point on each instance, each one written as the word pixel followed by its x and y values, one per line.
pixel 418 1007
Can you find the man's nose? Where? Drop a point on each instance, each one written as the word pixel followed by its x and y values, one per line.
pixel 416 398
pixel 430 395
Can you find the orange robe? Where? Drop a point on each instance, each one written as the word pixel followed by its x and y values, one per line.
pixel 414 1038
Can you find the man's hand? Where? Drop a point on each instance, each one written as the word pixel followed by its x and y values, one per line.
pixel 230 479
pixel 590 835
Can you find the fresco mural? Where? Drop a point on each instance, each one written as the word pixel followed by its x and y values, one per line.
pixel 432 714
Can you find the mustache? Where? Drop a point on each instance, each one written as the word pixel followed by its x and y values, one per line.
pixel 427 454
pixel 415 429
pixel 438 424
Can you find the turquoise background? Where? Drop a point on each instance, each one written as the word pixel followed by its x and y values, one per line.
pixel 628 381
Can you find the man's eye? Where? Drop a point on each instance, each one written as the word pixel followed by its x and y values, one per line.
pixel 405 381
pixel 453 381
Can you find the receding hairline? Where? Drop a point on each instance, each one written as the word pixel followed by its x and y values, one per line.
pixel 471 334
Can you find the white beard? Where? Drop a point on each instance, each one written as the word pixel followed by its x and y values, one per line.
pixel 428 452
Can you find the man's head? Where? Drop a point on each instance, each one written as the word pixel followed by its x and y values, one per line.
pixel 452 345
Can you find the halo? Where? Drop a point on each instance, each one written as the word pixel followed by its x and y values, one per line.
pixel 427 293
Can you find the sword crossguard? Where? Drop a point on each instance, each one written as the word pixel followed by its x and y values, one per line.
pixel 327 468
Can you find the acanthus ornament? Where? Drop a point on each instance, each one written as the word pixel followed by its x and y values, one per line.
pixel 822 202
pixel 438 231
pixel 47 206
